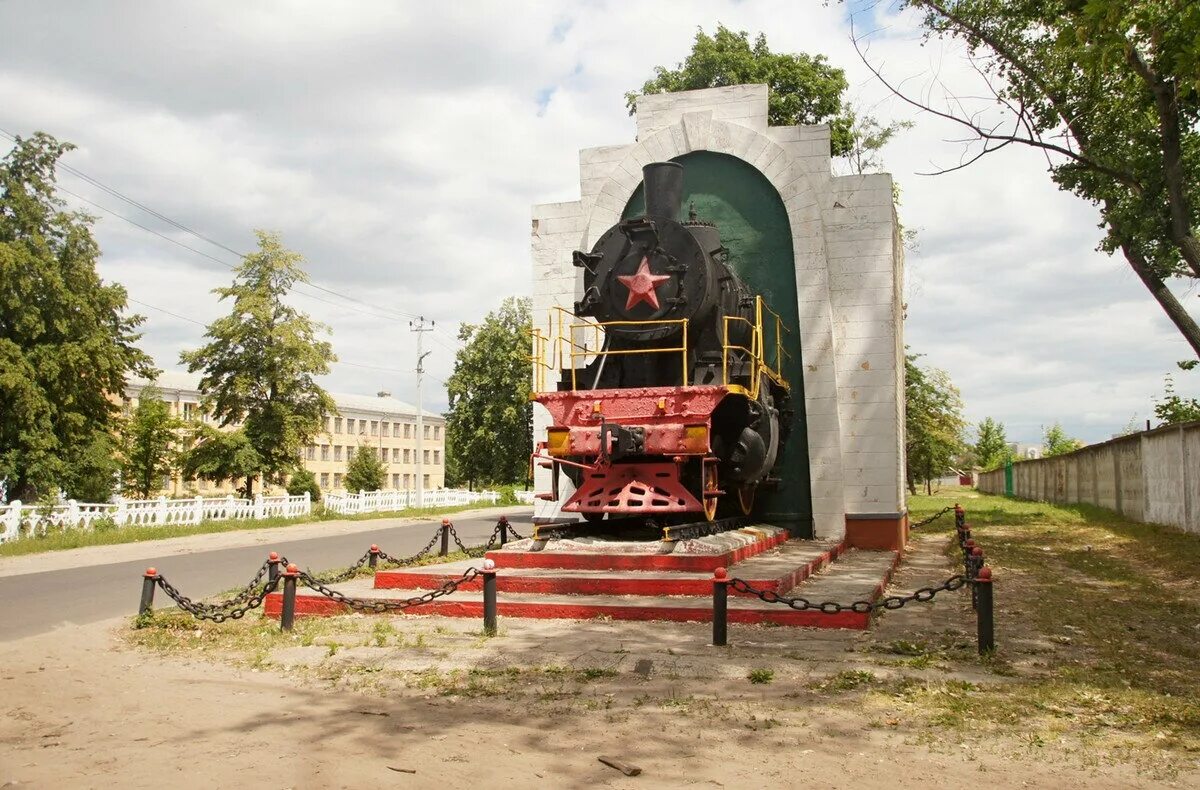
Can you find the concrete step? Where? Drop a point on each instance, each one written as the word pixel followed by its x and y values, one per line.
pixel 856 575
pixel 697 555
pixel 779 569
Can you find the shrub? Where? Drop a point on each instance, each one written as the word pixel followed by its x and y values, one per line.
pixel 761 675
pixel 304 480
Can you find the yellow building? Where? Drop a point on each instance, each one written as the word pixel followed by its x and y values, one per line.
pixel 381 424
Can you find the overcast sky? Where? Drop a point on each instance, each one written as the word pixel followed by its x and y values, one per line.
pixel 398 146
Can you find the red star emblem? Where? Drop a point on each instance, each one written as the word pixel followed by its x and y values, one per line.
pixel 643 285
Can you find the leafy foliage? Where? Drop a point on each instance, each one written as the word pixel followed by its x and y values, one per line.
pixel 365 472
pixel 1173 408
pixel 867 138
pixel 221 455
pixel 304 481
pixel 489 428
pixel 1110 89
pixel 65 343
pixel 804 89
pixel 149 437
pixel 1057 442
pixel 933 422
pixel 261 359
pixel 991 446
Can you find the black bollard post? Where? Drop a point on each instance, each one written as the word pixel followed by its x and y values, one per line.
pixel 503 530
pixel 445 538
pixel 720 607
pixel 974 564
pixel 287 618
pixel 273 563
pixel 149 582
pixel 968 547
pixel 985 618
pixel 489 597
pixel 960 516
pixel 373 562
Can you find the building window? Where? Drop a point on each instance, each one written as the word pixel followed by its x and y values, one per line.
pixel 337 479
pixel 383 429
pixel 407 482
pixel 310 452
pixel 383 454
pixel 425 457
pixel 324 452
pixel 437 432
pixel 407 430
pixel 425 434
pixel 350 426
pixel 189 411
pixel 374 427
pixel 350 453
pixel 395 455
pixel 328 423
pixel 408 456
pixel 337 425
pixel 337 452
pixel 395 481
pixel 324 480
pixel 396 430
pixel 424 481
pixel 437 457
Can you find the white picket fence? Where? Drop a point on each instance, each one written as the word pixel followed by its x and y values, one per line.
pixel 385 501
pixel 18 520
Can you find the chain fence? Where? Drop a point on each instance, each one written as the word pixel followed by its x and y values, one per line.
pixel 252 595
pixel 975 574
pixel 931 519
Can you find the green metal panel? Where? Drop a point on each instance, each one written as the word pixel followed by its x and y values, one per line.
pixel 754 228
pixel 1008 478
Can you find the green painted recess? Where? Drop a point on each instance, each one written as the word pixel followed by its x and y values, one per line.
pixel 754 228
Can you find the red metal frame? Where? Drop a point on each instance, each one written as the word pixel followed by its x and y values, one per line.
pixel 632 487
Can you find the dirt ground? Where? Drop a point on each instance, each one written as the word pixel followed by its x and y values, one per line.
pixel 429 702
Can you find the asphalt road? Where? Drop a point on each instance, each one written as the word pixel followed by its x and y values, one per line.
pixel 38 602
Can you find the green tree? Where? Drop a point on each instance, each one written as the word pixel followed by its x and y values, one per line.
pixel 489 427
pixel 149 443
pixel 66 345
pixel 221 455
pixel 991 445
pixel 1057 442
pixel 304 481
pixel 261 359
pixel 365 472
pixel 804 89
pixel 1110 91
pixel 1173 408
pixel 933 423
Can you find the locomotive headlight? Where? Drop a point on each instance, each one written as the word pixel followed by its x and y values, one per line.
pixel 695 438
pixel 558 441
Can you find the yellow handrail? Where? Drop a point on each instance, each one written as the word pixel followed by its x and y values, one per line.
pixel 756 353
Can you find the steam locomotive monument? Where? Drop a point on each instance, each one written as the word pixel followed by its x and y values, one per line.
pixel 718 332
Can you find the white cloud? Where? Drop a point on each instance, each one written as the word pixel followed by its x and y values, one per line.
pixel 399 147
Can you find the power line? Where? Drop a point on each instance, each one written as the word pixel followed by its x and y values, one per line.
pixel 115 193
pixel 339 362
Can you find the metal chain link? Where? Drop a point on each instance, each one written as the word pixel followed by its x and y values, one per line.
pixel 931 519
pixel 202 612
pixel 862 607
pixel 348 573
pixel 458 542
pixel 379 606
pixel 383 555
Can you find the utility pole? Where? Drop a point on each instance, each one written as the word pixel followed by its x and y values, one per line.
pixel 419 327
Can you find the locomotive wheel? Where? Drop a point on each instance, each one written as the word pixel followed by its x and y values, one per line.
pixel 594 518
pixel 710 484
pixel 745 496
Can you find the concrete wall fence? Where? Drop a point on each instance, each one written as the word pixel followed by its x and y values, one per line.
pixel 1153 476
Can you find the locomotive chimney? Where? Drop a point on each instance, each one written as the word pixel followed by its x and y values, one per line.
pixel 664 189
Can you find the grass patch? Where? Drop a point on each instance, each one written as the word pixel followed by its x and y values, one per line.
pixel 63 539
pixel 761 675
pixel 1097 622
